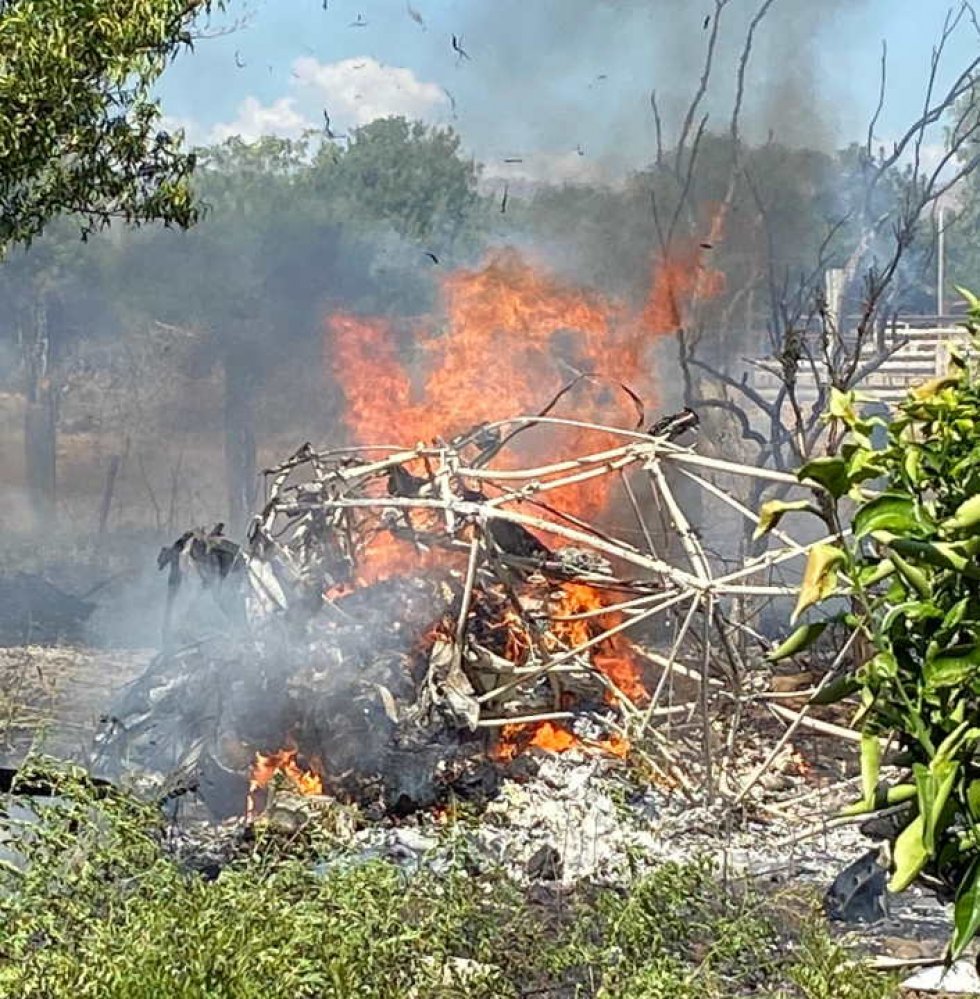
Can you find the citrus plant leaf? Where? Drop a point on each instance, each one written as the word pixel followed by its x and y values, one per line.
pixel 801 639
pixel 771 513
pixel 819 577
pixel 967 516
pixel 966 912
pixel 889 512
pixel 830 473
pixel 910 855
pixel 836 690
pixel 870 766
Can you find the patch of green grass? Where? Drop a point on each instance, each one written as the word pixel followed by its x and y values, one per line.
pixel 102 912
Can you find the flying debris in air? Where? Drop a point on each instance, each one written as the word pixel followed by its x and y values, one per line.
pixel 358 23
pixel 238 60
pixel 503 200
pixel 461 53
pixel 327 130
pixel 514 159
pixel 580 150
pixel 325 3
pixel 707 21
pixel 415 16
pixel 707 246
pixel 433 258
pixel 452 101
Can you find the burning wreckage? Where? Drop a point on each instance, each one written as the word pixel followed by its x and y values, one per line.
pixel 402 623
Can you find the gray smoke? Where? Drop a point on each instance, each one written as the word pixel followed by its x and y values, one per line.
pixel 551 59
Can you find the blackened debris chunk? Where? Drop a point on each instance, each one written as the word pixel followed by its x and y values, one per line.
pixel 545 864
pixel 511 539
pixel 403 483
pixel 674 425
pixel 859 893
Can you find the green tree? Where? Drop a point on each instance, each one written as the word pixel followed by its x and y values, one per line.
pixel 80 136
pixel 79 128
pixel 405 176
pixel 250 274
pixel 49 300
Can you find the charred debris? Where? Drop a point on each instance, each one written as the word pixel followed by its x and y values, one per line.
pixel 401 624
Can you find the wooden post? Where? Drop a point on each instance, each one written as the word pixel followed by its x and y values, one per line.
pixel 40 420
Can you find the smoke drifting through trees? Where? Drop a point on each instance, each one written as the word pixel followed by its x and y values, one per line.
pixel 225 323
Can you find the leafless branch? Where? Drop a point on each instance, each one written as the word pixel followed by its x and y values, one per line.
pixel 881 99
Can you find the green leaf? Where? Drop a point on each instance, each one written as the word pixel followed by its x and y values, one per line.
pixel 909 855
pixel 937 553
pixel 830 473
pixel 912 463
pixel 973 303
pixel 930 389
pixel 841 405
pixel 801 639
pixel 771 513
pixel 869 575
pixel 888 512
pixel 953 668
pixel 966 912
pixel 884 798
pixel 836 690
pixel 973 799
pixel 819 576
pixel 955 615
pixel 864 464
pixel 934 784
pixel 870 766
pixel 967 516
pixel 913 575
pixel 881 666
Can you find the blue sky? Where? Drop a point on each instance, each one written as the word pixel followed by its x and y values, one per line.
pixel 564 84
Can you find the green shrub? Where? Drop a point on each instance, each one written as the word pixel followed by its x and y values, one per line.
pixel 910 570
pixel 101 911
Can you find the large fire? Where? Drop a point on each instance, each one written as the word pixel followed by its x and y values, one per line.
pixel 510 338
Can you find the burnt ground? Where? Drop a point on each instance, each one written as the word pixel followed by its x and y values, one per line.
pixel 52 697
pixel 588 811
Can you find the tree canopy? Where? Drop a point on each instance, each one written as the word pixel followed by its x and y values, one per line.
pixel 80 132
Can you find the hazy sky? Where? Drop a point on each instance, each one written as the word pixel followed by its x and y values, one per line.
pixel 564 84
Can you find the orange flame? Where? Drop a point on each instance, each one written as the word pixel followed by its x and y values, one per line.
pixel 284 762
pixel 510 338
pixel 613 657
pixel 554 738
pixel 683 278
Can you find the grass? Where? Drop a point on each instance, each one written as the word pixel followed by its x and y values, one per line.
pixel 103 912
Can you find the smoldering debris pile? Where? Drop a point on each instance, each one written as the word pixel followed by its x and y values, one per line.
pixel 397 622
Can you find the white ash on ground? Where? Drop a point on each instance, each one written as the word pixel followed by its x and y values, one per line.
pixel 584 819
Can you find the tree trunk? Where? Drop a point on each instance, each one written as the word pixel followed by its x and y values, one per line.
pixel 40 421
pixel 240 463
